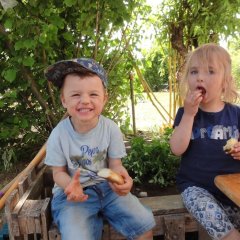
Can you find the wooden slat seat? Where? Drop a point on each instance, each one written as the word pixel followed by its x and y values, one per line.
pixel 28 213
pixel 172 220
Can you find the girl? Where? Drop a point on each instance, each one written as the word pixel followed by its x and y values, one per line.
pixel 201 129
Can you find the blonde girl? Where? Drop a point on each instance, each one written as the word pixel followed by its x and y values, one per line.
pixel 201 128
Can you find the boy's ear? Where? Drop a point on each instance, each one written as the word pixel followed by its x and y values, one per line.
pixel 105 97
pixel 63 100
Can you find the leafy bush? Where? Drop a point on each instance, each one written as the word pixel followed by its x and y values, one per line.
pixel 151 160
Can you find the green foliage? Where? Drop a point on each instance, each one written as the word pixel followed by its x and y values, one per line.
pixel 152 161
pixel 9 158
pixel 187 24
pixel 156 70
pixel 35 34
pixel 235 51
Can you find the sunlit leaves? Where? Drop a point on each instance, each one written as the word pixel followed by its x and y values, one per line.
pixel 28 61
pixel 8 24
pixel 39 33
pixel 10 74
pixel 70 3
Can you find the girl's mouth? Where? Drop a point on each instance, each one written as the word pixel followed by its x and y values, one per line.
pixel 202 89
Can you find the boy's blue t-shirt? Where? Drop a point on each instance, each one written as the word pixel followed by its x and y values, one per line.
pixel 91 150
pixel 204 158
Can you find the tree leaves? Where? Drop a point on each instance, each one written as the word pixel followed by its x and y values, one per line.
pixel 10 75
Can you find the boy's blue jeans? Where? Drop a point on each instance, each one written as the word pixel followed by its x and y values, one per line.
pixel 84 220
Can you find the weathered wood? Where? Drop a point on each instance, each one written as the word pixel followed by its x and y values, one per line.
pixel 164 204
pixel 46 218
pixel 106 231
pixel 34 191
pixel 23 185
pixel 38 158
pixel 174 227
pixel 31 176
pixel 2 219
pixel 29 218
pixel 162 207
pixel 53 233
pixel 202 234
pixel 10 203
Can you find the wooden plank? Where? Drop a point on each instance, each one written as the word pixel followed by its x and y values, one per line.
pixel 190 225
pixel 164 204
pixel 162 207
pixel 229 184
pixel 31 176
pixel 174 227
pixel 46 218
pixel 10 203
pixel 202 234
pixel 54 234
pixel 106 232
pixel 29 217
pixel 23 185
pixel 33 192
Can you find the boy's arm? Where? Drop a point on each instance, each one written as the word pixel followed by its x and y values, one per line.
pixel 61 176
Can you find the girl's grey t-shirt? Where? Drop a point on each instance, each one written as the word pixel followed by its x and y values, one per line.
pixel 66 147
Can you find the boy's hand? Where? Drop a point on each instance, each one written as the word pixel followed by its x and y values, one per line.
pixel 125 188
pixel 74 189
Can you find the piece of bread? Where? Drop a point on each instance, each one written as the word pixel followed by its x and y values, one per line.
pixel 110 176
pixel 228 148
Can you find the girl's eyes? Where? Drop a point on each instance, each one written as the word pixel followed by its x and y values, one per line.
pixel 194 72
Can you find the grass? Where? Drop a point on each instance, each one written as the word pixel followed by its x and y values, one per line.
pixel 147 117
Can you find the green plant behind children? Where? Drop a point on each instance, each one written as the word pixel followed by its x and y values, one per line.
pixel 152 161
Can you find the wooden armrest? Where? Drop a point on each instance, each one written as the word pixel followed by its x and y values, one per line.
pixel 229 184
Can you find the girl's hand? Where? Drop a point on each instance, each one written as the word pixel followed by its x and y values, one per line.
pixel 125 188
pixel 192 101
pixel 236 151
pixel 74 189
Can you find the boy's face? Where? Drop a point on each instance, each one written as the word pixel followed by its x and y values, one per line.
pixel 84 99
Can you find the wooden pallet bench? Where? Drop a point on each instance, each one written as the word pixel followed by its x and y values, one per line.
pixel 172 220
pixel 28 213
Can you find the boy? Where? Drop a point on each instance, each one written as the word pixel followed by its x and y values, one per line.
pixel 81 145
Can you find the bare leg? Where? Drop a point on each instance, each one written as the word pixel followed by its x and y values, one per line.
pixel 233 235
pixel 148 236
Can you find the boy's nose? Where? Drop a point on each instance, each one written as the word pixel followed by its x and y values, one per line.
pixel 85 99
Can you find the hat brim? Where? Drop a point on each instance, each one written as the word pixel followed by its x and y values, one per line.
pixel 57 72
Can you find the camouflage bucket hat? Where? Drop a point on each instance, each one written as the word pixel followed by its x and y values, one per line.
pixel 56 72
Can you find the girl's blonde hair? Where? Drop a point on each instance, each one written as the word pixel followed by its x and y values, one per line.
pixel 205 53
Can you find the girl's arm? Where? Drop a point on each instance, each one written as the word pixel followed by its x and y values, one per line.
pixel 181 136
